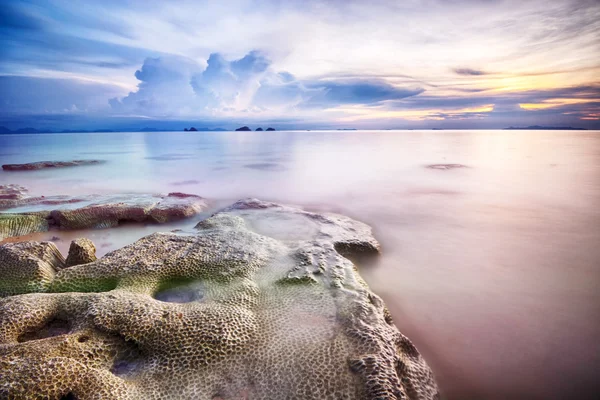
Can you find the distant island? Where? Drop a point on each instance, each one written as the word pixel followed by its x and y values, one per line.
pixel 545 128
pixel 259 129
pixel 193 129
pixel 6 131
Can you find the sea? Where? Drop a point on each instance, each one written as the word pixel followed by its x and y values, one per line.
pixel 490 238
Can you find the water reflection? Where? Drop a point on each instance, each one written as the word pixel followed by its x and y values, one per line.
pixel 491 270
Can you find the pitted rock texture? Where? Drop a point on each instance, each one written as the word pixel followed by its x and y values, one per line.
pixel 48 164
pixel 81 251
pixel 28 267
pixel 85 212
pixel 258 305
pixel 19 225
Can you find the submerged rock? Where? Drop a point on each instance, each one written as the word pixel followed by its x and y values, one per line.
pixel 259 304
pixel 84 212
pixel 11 194
pixel 48 164
pixel 446 166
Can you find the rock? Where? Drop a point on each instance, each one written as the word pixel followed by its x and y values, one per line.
pixel 259 129
pixel 48 164
pixel 243 128
pixel 81 251
pixel 27 267
pixel 270 129
pixel 85 212
pixel 445 166
pixel 12 225
pixel 185 129
pixel 192 129
pixel 259 304
pixel 12 192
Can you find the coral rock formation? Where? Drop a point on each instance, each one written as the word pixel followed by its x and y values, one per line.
pixel 258 304
pixel 19 225
pixel 81 251
pixel 36 214
pixel 48 164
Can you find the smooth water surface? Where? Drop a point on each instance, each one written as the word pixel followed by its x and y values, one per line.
pixel 493 270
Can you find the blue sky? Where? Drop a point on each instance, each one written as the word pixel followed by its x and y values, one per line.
pixel 299 64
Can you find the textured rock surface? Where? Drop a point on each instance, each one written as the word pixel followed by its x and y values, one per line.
pixel 258 305
pixel 84 212
pixel 28 267
pixel 19 225
pixel 81 251
pixel 48 164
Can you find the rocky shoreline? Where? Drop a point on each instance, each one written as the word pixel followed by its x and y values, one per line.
pixel 262 302
pixel 21 214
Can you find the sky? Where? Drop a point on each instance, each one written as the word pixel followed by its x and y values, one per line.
pixel 299 64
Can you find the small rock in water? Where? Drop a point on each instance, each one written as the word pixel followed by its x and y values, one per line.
pixel 446 166
pixel 48 164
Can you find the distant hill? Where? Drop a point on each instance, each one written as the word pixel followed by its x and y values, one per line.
pixel 5 131
pixel 545 128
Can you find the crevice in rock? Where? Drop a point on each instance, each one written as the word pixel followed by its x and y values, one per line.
pixel 128 360
pixel 56 326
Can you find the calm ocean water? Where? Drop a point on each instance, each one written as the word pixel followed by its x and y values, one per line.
pixel 493 270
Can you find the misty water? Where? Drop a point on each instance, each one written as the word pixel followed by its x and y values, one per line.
pixel 491 269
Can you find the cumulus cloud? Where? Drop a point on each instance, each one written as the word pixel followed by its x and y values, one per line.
pixel 177 86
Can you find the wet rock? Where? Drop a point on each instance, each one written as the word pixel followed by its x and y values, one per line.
pixel 11 194
pixel 258 304
pixel 12 225
pixel 88 212
pixel 445 166
pixel 49 164
pixel 81 251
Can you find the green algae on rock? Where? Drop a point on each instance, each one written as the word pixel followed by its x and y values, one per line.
pixel 206 316
pixel 19 225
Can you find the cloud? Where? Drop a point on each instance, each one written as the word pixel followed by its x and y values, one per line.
pixel 179 86
pixel 29 95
